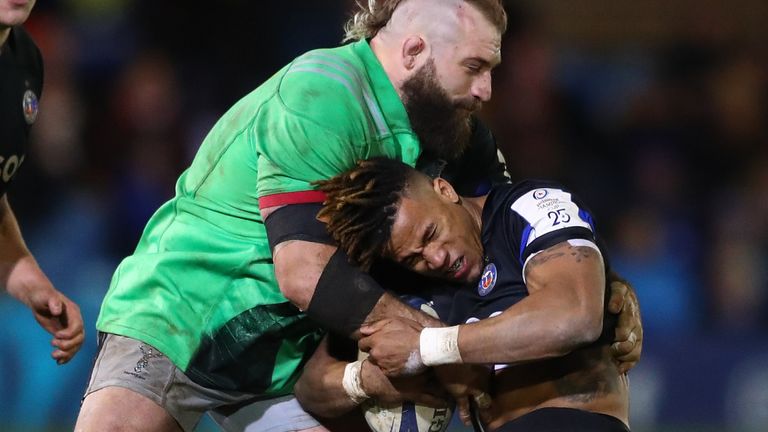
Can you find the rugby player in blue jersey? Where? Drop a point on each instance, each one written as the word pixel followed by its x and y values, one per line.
pixel 531 291
pixel 21 85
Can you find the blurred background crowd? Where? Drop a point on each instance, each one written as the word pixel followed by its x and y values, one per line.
pixel 655 111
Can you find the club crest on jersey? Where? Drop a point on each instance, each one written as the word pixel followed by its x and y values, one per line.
pixel 30 106
pixel 539 193
pixel 487 280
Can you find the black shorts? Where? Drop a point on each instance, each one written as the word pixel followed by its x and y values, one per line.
pixel 564 420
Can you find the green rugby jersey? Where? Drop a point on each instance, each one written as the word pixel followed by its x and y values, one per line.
pixel 200 286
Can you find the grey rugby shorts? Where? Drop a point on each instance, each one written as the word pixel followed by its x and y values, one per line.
pixel 139 367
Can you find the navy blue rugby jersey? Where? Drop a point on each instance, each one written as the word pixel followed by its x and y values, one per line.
pixel 21 83
pixel 476 170
pixel 519 220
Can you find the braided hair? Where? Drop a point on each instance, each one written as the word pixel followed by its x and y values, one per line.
pixel 361 204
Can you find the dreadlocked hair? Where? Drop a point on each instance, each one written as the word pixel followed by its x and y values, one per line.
pixel 360 206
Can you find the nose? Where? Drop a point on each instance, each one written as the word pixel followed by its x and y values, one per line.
pixel 435 257
pixel 481 88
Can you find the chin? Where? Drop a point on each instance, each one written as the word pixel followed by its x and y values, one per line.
pixel 474 278
pixel 474 274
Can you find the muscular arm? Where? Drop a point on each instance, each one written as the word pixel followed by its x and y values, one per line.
pixel 564 310
pixel 24 280
pixel 320 390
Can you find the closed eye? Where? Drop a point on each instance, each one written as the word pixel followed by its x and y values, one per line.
pixel 430 232
pixel 477 65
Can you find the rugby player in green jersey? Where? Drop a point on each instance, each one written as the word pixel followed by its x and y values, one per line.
pixel 234 281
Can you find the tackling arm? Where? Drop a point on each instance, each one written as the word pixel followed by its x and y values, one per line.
pixel 314 275
pixel 564 310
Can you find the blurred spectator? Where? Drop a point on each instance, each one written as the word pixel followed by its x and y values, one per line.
pixel 524 112
pixel 141 148
pixel 739 252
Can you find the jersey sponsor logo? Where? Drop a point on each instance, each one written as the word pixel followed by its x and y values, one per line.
pixel 539 193
pixel 30 104
pixel 9 166
pixel 487 280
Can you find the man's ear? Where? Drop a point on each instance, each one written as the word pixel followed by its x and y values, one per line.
pixel 445 190
pixel 414 49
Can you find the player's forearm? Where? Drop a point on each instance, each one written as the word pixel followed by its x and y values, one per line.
pixel 18 268
pixel 320 389
pixel 563 311
pixel 539 327
pixel 13 247
pixel 333 292
pixel 390 306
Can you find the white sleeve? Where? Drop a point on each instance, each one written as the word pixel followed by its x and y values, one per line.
pixel 572 242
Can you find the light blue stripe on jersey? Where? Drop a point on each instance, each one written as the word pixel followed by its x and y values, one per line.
pixel 586 217
pixel 524 242
pixel 346 73
pixel 378 117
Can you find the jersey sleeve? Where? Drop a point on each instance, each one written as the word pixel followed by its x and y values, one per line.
pixel 312 129
pixel 300 153
pixel 546 216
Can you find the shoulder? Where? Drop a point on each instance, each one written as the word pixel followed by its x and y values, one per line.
pixel 535 199
pixel 542 213
pixel 530 190
pixel 324 81
pixel 25 50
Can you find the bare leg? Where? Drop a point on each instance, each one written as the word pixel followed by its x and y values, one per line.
pixel 118 409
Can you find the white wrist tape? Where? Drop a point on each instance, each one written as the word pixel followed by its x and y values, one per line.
pixel 352 382
pixel 439 346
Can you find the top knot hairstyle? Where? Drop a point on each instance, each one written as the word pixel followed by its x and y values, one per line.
pixel 361 204
pixel 371 17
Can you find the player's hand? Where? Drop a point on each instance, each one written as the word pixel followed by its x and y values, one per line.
pixel 423 389
pixel 628 343
pixel 60 317
pixel 392 344
pixel 466 382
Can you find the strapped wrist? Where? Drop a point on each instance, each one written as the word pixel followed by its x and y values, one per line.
pixel 353 383
pixel 439 346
